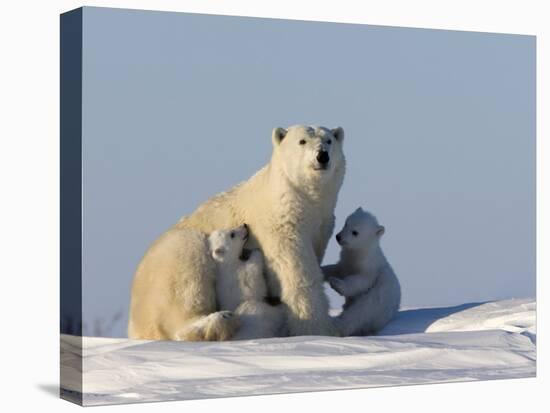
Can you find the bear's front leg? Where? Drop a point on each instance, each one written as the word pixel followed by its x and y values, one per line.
pixel 302 291
pixel 323 237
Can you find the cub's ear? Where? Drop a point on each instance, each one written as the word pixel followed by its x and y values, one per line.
pixel 380 231
pixel 338 134
pixel 278 135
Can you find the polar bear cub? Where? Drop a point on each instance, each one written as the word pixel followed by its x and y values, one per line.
pixel 241 287
pixel 364 276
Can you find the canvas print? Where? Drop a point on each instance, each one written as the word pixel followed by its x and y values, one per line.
pixel 259 206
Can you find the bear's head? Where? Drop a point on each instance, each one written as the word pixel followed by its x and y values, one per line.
pixel 226 245
pixel 309 154
pixel 361 231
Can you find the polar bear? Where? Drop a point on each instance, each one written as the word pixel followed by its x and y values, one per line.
pixel 364 276
pixel 241 286
pixel 289 207
pixel 169 301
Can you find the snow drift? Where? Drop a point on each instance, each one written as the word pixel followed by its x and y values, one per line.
pixel 495 340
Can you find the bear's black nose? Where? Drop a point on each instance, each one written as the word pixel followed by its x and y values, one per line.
pixel 322 157
pixel 338 237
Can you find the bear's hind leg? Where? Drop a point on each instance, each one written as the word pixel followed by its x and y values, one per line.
pixel 367 314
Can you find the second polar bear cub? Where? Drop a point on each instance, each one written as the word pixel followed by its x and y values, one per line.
pixel 241 286
pixel 364 276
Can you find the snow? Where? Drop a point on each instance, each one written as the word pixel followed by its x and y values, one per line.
pixel 478 341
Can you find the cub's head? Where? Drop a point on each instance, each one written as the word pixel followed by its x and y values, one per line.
pixel 309 154
pixel 361 231
pixel 226 245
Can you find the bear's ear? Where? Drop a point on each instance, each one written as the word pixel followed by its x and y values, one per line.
pixel 278 135
pixel 380 231
pixel 360 209
pixel 338 134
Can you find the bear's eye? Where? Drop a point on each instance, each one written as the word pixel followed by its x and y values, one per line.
pixel 329 141
pixel 355 233
pixel 232 235
pixel 302 142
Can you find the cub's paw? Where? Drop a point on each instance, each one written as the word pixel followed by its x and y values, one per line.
pixel 221 326
pixel 338 285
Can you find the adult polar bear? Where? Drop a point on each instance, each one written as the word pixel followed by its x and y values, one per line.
pixel 289 207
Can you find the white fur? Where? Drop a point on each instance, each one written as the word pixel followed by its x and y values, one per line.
pixel 289 208
pixel 259 320
pixel 241 286
pixel 169 301
pixel 364 276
